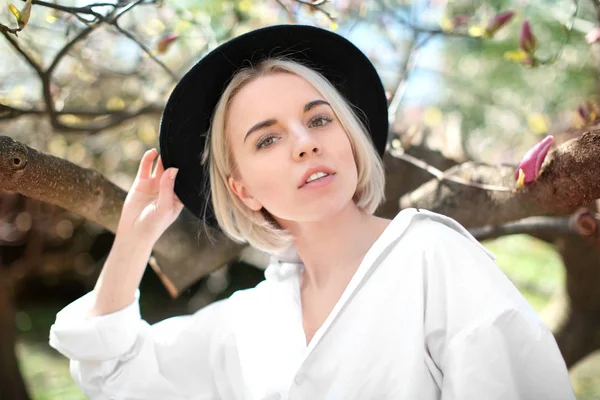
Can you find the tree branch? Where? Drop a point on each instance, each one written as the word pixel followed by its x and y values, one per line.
pixel 183 254
pixel 420 29
pixel 582 223
pixel 146 50
pixel 45 76
pixel 89 9
pixel 89 194
pixel 317 5
pixel 8 112
pixel 68 46
pixel 6 29
pixel 28 58
pixel 569 180
pixel 573 313
pixel 291 16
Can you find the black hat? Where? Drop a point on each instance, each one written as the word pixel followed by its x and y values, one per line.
pixel 187 115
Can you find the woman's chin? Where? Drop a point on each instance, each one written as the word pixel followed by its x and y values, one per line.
pixel 318 211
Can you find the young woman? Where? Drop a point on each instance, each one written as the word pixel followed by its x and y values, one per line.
pixel 353 306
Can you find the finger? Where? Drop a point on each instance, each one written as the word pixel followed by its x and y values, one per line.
pixel 177 201
pixel 146 164
pixel 177 204
pixel 158 171
pixel 166 193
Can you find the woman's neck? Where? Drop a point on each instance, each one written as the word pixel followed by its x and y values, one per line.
pixel 335 246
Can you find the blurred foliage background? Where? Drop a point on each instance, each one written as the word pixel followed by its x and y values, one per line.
pixel 109 89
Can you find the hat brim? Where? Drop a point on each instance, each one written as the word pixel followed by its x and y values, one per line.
pixel 187 115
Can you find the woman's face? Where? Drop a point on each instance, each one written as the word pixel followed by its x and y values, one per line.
pixel 281 131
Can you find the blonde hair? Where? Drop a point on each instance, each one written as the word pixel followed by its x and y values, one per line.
pixel 258 228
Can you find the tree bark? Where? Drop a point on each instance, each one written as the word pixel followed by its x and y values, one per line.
pixel 11 381
pixel 184 254
pixel 575 313
pixel 569 180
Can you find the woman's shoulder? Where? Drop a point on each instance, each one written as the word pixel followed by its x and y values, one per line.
pixel 438 232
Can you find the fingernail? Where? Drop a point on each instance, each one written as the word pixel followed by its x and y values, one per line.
pixel 174 173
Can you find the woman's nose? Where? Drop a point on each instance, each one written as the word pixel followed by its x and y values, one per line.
pixel 306 145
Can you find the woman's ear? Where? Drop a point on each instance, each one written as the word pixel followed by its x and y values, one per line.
pixel 240 190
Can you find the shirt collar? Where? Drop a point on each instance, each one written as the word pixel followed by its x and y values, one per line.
pixel 283 267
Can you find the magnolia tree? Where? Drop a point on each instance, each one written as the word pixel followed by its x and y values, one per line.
pixel 83 88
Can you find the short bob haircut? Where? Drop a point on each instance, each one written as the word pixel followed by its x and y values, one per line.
pixel 259 228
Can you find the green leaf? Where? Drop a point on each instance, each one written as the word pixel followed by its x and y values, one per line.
pixel 15 11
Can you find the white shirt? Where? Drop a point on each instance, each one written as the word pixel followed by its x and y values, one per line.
pixel 427 315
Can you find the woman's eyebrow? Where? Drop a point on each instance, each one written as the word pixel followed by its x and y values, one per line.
pixel 260 125
pixel 270 122
pixel 315 103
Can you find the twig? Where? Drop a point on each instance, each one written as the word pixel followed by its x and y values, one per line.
pixel 89 9
pixel 68 46
pixel 420 29
pixel 582 223
pixel 6 29
pixel 441 176
pixel 289 13
pixel 24 54
pixel 119 119
pixel 405 71
pixel 317 5
pixel 146 50
pixel 7 112
pixel 569 29
pixel 530 225
pixel 410 62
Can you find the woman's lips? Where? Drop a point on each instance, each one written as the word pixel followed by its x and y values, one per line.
pixel 319 183
pixel 310 171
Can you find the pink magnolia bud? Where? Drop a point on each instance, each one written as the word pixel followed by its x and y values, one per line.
pixel 527 40
pixel 532 161
pixel 498 21
pixel 589 113
pixel 593 35
pixel 165 42
pixel 583 113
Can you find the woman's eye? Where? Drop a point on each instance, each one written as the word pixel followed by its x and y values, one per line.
pixel 319 121
pixel 266 142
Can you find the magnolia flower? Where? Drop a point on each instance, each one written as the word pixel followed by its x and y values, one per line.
pixel 527 41
pixel 584 113
pixel 530 166
pixel 588 114
pixel 593 35
pixel 498 21
pixel 165 42
pixel 23 15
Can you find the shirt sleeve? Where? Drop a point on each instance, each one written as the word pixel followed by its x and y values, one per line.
pixel 483 336
pixel 121 356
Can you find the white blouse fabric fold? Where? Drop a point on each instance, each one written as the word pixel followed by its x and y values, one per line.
pixel 428 315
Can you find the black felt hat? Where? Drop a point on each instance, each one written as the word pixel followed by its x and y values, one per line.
pixel 187 115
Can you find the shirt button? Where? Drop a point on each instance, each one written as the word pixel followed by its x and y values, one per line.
pixel 299 379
